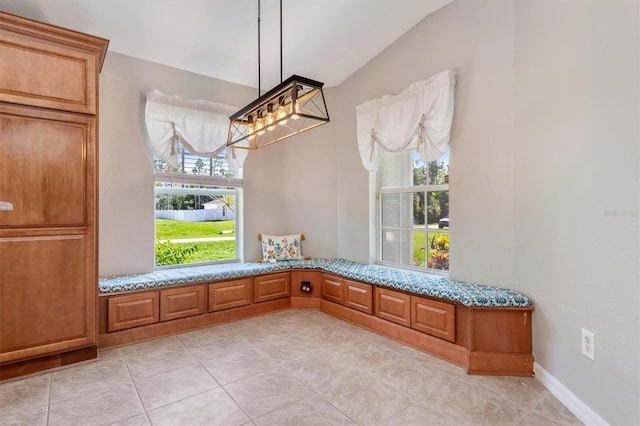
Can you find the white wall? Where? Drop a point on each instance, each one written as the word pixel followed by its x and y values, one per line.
pixel 576 161
pixel 126 207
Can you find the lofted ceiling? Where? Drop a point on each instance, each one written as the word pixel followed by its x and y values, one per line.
pixel 326 40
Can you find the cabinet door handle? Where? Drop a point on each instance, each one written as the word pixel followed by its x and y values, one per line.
pixel 5 205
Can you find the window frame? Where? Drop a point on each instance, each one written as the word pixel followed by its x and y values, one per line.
pixel 378 233
pixel 222 182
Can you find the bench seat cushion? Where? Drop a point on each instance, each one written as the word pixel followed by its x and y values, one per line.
pixel 419 283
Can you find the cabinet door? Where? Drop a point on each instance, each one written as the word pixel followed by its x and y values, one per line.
pixel 433 317
pixel 358 296
pixel 393 306
pixel 133 310
pixel 270 287
pixel 36 73
pixel 333 288
pixel 181 302
pixel 229 294
pixel 46 303
pixel 46 168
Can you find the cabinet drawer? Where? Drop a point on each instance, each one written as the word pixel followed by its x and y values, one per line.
pixel 181 302
pixel 40 74
pixel 270 287
pixel 393 306
pixel 358 296
pixel 133 310
pixel 229 294
pixel 432 317
pixel 333 289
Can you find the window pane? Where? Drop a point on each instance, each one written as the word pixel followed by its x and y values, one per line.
pixel 391 246
pixel 438 209
pixel 414 248
pixel 434 173
pixel 438 250
pixel 390 210
pixel 194 223
pixel 417 211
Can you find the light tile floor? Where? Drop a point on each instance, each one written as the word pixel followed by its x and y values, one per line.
pixel 290 367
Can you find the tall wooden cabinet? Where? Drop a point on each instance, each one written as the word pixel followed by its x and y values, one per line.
pixel 48 194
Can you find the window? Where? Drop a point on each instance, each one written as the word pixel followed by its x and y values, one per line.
pixel 197 211
pixel 413 211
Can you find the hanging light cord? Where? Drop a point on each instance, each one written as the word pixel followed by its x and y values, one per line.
pixel 280 41
pixel 259 91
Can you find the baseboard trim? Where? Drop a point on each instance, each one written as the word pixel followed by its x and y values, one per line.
pixel 579 409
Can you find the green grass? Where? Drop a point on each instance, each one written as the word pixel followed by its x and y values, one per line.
pixel 175 229
pixel 208 251
pixel 421 249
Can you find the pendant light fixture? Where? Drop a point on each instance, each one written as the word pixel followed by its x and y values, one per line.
pixel 294 106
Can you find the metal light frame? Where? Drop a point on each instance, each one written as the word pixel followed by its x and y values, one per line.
pixel 292 107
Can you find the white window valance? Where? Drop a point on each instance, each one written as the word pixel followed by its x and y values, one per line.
pixel 422 115
pixel 200 126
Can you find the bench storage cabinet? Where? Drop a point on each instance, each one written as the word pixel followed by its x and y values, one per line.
pixel 229 294
pixel 485 330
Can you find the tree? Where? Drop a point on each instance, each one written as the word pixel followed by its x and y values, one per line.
pixel 199 168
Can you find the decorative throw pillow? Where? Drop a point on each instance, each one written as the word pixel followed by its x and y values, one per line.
pixel 285 247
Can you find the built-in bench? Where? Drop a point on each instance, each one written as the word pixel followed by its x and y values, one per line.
pixel 485 329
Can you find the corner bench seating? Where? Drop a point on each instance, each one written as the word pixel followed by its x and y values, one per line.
pixel 484 329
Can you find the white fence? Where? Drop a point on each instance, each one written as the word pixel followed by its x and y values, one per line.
pixel 196 215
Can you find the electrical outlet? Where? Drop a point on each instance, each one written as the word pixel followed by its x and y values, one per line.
pixel 305 286
pixel 589 344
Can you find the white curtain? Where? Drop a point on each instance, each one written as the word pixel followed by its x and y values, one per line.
pixel 200 126
pixel 422 114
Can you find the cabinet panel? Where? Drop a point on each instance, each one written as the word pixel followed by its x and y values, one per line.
pixel 270 287
pixel 46 160
pixel 229 294
pixel 133 310
pixel 393 306
pixel 47 296
pixel 333 289
pixel 434 318
pixel 181 302
pixel 48 76
pixel 358 296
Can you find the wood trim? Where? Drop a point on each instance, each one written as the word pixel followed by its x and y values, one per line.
pixel 167 328
pixel 35 365
pixel 305 303
pixel 500 364
pixel 55 35
pixel 437 347
pixel 182 302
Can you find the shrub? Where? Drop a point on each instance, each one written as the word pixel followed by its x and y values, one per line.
pixel 168 253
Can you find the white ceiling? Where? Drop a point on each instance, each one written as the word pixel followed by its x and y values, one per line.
pixel 325 40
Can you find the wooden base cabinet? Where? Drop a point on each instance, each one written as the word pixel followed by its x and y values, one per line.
pixel 48 190
pixel 333 288
pixel 358 296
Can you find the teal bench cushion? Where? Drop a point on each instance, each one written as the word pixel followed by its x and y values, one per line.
pixel 419 283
